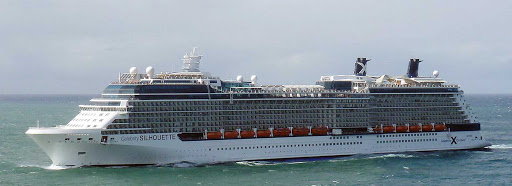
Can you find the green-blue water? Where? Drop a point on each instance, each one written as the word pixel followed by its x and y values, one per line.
pixel 23 163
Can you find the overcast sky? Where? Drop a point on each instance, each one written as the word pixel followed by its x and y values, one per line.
pixel 71 47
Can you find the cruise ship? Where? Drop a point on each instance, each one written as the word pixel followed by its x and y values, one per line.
pixel 194 117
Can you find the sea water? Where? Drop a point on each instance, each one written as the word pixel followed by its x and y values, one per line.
pixel 22 162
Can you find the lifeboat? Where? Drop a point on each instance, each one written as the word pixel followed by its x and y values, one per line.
pixel 414 128
pixel 388 129
pixel 263 133
pixel 401 128
pixel 230 135
pixel 440 127
pixel 376 129
pixel 319 131
pixel 300 131
pixel 283 132
pixel 426 128
pixel 247 134
pixel 214 135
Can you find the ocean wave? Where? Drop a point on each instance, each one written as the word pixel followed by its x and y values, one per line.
pixel 184 165
pixel 383 156
pixel 393 156
pixel 266 163
pixel 255 163
pixel 343 160
pixel 502 146
pixel 176 165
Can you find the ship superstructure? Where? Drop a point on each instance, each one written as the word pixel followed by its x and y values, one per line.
pixel 192 116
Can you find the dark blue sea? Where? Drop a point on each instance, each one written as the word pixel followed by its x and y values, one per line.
pixel 22 162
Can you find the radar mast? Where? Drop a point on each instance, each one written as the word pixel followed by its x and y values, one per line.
pixel 191 61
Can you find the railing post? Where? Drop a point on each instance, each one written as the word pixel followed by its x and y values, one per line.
pixel 255 132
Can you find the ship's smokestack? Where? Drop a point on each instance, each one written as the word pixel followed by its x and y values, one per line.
pixel 360 69
pixel 414 65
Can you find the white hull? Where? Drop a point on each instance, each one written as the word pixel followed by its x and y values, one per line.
pixel 138 149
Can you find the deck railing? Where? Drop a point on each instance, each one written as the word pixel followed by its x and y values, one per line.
pixel 103 108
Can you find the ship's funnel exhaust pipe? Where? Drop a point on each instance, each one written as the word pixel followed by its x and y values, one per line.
pixel 414 65
pixel 360 69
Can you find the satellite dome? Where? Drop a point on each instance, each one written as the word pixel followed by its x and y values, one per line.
pixel 254 78
pixel 435 73
pixel 240 78
pixel 134 70
pixel 150 70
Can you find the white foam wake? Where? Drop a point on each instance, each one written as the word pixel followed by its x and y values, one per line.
pixel 184 165
pixel 255 163
pixel 502 146
pixel 265 163
pixel 393 156
pixel 55 167
pixel 51 167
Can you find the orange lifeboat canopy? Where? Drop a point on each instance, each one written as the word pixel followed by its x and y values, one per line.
pixel 230 135
pixel 282 132
pixel 388 129
pixel 214 135
pixel 321 131
pixel 401 128
pixel 426 128
pixel 263 133
pixel 440 127
pixel 414 128
pixel 300 131
pixel 247 134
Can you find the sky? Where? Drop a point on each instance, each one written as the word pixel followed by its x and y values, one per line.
pixel 79 47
